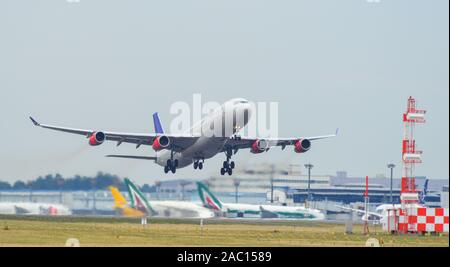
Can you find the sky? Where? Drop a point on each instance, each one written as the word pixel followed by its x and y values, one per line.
pixel 109 64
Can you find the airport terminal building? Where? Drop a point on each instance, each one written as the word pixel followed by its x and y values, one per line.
pixel 290 187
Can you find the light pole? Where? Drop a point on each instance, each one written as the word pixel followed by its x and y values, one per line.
pixel 236 184
pixel 94 200
pixel 309 166
pixel 158 188
pixel 272 172
pixel 391 166
pixel 183 185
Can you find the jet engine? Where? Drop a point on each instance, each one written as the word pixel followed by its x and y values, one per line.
pixel 97 138
pixel 302 145
pixel 259 146
pixel 160 142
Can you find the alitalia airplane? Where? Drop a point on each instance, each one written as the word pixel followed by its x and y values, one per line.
pixel 203 141
pixel 141 207
pixel 236 210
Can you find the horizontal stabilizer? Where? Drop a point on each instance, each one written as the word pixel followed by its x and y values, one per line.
pixel 131 157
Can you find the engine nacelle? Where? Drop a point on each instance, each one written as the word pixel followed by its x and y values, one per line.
pixel 97 138
pixel 302 145
pixel 259 146
pixel 160 142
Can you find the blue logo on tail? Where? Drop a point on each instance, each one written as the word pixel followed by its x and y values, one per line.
pixel 157 124
pixel 423 193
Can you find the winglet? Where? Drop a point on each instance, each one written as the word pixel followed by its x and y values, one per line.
pixel 157 124
pixel 337 131
pixel 34 121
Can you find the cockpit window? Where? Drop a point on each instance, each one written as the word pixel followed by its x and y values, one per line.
pixel 240 102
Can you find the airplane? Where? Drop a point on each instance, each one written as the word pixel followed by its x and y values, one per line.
pixel 141 207
pixel 236 210
pixel 33 208
pixel 203 141
pixel 381 211
pixel 121 205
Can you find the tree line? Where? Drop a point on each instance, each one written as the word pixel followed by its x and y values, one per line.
pixel 77 183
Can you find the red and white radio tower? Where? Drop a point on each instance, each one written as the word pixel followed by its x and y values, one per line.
pixel 410 155
pixel 366 207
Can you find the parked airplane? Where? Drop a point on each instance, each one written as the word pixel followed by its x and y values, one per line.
pixel 141 207
pixel 204 140
pixel 121 205
pixel 32 208
pixel 381 211
pixel 235 210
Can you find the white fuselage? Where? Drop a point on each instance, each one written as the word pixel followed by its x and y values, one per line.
pixel 212 133
pixel 293 212
pixel 180 209
pixel 382 211
pixel 234 210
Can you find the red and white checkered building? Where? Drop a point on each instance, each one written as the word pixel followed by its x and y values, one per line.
pixel 412 217
pixel 418 220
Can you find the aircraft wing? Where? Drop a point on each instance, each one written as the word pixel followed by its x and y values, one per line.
pixel 363 212
pixel 247 142
pixel 21 210
pixel 267 213
pixel 179 142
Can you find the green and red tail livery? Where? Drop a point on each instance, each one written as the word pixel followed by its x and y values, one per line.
pixel 207 198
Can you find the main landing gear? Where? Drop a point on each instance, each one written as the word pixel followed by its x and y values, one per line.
pixel 227 165
pixel 199 164
pixel 171 164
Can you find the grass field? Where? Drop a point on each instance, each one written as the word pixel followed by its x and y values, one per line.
pixel 54 231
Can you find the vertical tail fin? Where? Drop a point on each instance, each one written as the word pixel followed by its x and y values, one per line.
pixel 157 124
pixel 424 192
pixel 138 200
pixel 207 198
pixel 119 201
